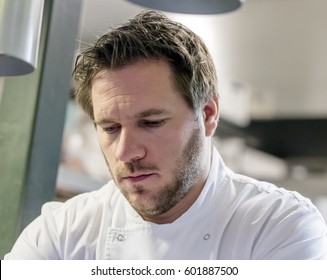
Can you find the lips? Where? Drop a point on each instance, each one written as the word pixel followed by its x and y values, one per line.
pixel 137 178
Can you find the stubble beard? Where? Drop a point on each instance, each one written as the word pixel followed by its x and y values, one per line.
pixel 188 171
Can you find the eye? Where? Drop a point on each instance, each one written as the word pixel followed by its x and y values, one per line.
pixel 153 123
pixel 111 129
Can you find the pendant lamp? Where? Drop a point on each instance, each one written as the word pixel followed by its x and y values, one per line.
pixel 191 6
pixel 20 29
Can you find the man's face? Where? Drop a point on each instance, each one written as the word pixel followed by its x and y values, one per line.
pixel 152 141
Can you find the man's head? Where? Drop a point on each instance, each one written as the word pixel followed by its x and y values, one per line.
pixel 146 36
pixel 155 111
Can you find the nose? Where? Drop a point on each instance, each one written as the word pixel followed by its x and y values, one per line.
pixel 129 146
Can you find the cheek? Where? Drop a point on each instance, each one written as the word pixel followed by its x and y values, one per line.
pixel 105 146
pixel 103 139
pixel 169 149
pixel 102 143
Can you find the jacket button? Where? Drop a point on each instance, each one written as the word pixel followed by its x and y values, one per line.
pixel 120 237
pixel 206 236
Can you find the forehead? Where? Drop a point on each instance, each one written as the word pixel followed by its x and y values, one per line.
pixel 133 88
pixel 144 69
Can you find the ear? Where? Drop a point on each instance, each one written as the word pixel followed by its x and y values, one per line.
pixel 211 115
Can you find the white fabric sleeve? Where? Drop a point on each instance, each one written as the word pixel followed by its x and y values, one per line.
pixel 296 234
pixel 39 240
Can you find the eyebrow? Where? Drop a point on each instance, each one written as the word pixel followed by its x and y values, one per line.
pixel 151 112
pixel 144 114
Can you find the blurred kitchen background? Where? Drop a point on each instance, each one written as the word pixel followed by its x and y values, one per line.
pixel 271 59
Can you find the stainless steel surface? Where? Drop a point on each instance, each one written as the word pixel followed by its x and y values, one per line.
pixel 191 6
pixel 20 27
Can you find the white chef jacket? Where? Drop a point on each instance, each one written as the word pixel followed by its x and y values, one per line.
pixel 235 217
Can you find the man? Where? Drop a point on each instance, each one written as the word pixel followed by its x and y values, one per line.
pixel 150 88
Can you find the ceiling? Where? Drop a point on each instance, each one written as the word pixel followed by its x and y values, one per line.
pixel 271 58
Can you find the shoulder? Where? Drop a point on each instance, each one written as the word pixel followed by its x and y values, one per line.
pixel 62 229
pixel 283 224
pixel 83 210
pixel 241 190
pixel 95 199
pixel 264 194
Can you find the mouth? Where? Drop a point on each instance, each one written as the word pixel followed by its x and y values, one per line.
pixel 137 177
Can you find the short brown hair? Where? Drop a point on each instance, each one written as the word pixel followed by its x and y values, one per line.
pixel 150 35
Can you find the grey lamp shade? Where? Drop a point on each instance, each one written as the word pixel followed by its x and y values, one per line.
pixel 191 6
pixel 20 29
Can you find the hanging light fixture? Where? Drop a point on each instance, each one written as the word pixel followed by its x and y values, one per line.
pixel 20 29
pixel 191 6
